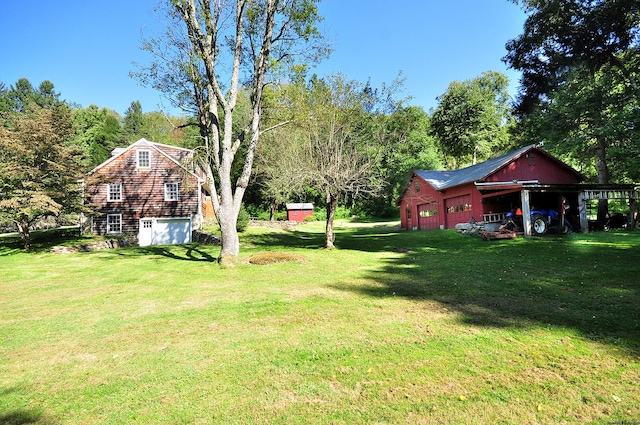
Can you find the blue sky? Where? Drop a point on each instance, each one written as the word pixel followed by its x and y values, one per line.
pixel 87 47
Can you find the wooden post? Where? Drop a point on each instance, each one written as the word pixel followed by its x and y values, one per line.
pixel 582 209
pixel 526 213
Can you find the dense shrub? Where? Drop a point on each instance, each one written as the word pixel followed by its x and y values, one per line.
pixel 243 219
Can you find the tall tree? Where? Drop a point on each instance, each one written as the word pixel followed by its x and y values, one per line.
pixel 39 172
pixel 563 39
pixel 470 120
pixel 22 96
pixel 133 123
pixel 330 146
pixel 560 35
pixel 209 42
pixel 97 132
pixel 407 145
pixel 593 115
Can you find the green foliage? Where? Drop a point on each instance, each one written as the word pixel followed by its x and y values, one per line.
pixel 388 328
pixel 470 120
pixel 97 133
pixel 39 170
pixel 561 35
pixel 593 116
pixel 243 219
pixel 23 97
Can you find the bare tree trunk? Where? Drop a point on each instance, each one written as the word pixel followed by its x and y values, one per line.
pixel 25 234
pixel 332 205
pixel 272 214
pixel 603 178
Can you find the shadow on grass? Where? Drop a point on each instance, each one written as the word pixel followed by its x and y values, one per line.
pixel 585 282
pixel 42 240
pixel 185 252
pixel 24 417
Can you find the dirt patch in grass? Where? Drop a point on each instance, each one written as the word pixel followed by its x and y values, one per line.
pixel 276 257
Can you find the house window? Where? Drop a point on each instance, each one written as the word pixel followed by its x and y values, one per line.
pixel 171 191
pixel 417 186
pixel 114 192
pixel 114 223
pixel 144 159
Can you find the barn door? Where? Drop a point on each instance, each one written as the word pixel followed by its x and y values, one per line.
pixel 457 210
pixel 428 216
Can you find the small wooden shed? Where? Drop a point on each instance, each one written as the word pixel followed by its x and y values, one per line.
pixel 299 211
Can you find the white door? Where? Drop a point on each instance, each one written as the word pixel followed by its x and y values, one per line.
pixel 171 231
pixel 145 235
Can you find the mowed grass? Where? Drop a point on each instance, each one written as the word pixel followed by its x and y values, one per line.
pixel 390 328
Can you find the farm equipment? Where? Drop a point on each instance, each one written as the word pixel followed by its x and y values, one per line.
pixel 544 220
pixel 541 220
pixel 510 228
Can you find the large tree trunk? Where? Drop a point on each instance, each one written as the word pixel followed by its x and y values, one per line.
pixel 25 234
pixel 332 205
pixel 603 177
pixel 230 241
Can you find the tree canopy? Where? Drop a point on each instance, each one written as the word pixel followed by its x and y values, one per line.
pixel 39 171
pixel 559 35
pixel 209 49
pixel 470 120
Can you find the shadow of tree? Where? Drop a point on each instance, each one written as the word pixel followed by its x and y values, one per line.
pixel 24 417
pixel 186 252
pixel 588 283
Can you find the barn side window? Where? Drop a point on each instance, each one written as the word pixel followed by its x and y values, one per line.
pixel 532 158
pixel 408 214
pixel 417 186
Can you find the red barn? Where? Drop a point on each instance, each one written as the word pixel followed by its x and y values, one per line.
pixel 526 178
pixel 300 211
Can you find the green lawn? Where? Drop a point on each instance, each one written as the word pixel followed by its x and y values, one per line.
pixel 390 328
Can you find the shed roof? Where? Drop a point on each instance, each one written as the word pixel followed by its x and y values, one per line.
pixel 299 206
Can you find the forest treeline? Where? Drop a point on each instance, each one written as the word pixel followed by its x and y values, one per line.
pixel 335 141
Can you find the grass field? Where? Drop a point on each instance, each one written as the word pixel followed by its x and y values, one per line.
pixel 389 328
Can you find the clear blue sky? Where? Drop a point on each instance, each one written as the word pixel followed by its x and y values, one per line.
pixel 87 47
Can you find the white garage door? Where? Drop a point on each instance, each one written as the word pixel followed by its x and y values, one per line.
pixel 164 231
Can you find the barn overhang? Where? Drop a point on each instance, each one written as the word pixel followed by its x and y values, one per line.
pixel 582 191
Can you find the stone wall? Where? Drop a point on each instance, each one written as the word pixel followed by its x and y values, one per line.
pixel 97 246
pixel 286 224
pixel 205 238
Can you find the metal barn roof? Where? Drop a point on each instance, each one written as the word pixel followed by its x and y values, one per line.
pixel 441 179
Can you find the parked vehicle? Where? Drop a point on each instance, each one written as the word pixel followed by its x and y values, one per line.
pixel 616 221
pixel 544 220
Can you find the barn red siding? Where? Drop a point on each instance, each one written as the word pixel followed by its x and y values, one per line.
pixel 459 203
pixel 421 196
pixel 535 165
pixel 299 215
pixel 142 190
